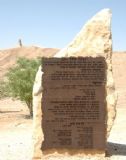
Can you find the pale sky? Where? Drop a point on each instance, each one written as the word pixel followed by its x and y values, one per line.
pixel 54 23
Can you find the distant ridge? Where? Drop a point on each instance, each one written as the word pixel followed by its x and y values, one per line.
pixel 8 57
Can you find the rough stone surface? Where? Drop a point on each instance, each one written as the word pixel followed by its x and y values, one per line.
pixel 93 40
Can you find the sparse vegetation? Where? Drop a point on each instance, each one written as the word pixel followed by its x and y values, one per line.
pixel 20 80
pixel 3 89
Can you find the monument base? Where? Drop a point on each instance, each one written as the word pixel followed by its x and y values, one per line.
pixel 73 155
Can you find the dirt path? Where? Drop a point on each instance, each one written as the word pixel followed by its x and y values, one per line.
pixel 15 131
pixel 117 139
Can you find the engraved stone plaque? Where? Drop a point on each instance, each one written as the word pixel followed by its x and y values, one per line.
pixel 74 103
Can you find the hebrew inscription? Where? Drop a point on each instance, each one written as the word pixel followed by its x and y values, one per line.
pixel 74 103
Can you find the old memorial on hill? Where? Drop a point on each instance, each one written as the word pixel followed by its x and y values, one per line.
pixel 74 103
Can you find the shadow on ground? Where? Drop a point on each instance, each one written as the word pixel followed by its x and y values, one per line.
pixel 116 149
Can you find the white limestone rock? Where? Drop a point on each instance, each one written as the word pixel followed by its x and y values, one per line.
pixel 93 40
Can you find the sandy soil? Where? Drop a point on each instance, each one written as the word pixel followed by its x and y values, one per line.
pixel 15 131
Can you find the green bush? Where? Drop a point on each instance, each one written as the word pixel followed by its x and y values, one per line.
pixel 3 89
pixel 20 80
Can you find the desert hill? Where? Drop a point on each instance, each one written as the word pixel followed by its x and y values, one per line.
pixel 119 69
pixel 8 57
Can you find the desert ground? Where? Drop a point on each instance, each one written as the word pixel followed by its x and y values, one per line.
pixel 15 131
pixel 16 126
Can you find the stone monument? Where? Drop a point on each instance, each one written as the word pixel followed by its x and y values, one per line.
pixel 94 41
pixel 73 103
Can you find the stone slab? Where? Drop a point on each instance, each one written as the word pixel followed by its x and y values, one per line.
pixel 74 103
